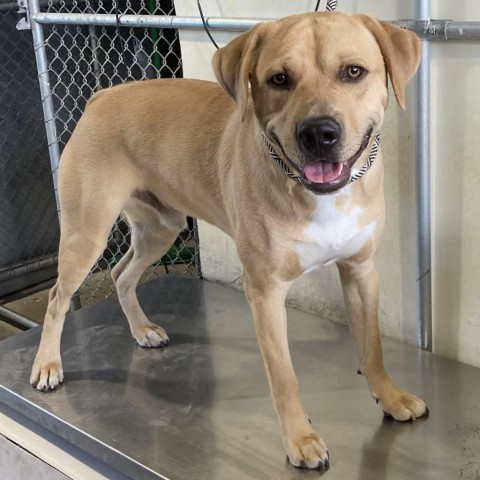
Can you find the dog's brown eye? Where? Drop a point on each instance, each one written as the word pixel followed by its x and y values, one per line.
pixel 353 72
pixel 279 80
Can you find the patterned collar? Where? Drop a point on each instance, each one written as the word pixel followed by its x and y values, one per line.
pixel 298 178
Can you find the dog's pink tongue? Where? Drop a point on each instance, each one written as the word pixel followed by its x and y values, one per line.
pixel 323 172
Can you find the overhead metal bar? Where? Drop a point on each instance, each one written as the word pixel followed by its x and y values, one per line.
pixel 429 29
pixel 159 21
pixel 425 29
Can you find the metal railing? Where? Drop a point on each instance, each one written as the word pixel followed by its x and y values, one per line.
pixel 426 29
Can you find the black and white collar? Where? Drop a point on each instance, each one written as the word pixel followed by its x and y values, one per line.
pixel 286 169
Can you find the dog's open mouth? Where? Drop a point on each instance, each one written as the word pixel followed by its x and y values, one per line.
pixel 322 176
pixel 323 172
pixel 327 177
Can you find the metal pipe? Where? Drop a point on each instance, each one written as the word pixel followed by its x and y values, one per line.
pixel 46 95
pixel 422 188
pixel 462 30
pixel 160 21
pixel 17 318
pixel 196 238
pixel 450 30
pixel 27 267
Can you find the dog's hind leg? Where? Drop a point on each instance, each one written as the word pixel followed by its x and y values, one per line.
pixel 155 226
pixel 85 224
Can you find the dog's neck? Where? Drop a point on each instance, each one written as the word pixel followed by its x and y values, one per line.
pixel 298 177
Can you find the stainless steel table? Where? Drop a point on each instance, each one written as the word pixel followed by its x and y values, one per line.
pixel 200 408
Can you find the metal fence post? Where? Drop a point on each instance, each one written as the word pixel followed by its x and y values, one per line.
pixel 422 187
pixel 46 95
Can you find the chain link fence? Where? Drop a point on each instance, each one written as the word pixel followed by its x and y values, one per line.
pixel 84 59
pixel 29 230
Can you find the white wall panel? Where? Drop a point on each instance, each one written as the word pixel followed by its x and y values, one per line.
pixel 456 188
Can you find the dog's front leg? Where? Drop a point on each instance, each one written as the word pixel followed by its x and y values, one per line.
pixel 361 293
pixel 267 297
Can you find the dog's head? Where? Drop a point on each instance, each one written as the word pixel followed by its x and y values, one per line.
pixel 319 86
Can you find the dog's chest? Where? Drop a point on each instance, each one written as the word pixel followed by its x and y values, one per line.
pixel 332 234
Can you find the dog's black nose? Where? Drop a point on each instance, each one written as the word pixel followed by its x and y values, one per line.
pixel 317 136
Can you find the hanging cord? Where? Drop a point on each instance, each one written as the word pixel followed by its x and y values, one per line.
pixel 205 26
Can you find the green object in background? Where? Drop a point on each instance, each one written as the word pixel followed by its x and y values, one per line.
pixel 178 255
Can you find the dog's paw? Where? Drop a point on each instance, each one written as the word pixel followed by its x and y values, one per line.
pixel 151 336
pixel 401 405
pixel 46 375
pixel 308 451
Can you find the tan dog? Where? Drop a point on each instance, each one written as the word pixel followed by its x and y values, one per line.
pixel 160 150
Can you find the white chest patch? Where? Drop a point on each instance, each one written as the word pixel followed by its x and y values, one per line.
pixel 332 234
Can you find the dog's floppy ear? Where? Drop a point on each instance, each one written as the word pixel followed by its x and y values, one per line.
pixel 232 65
pixel 401 50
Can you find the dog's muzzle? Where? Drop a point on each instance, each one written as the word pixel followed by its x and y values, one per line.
pixel 323 176
pixel 318 136
pixel 316 139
